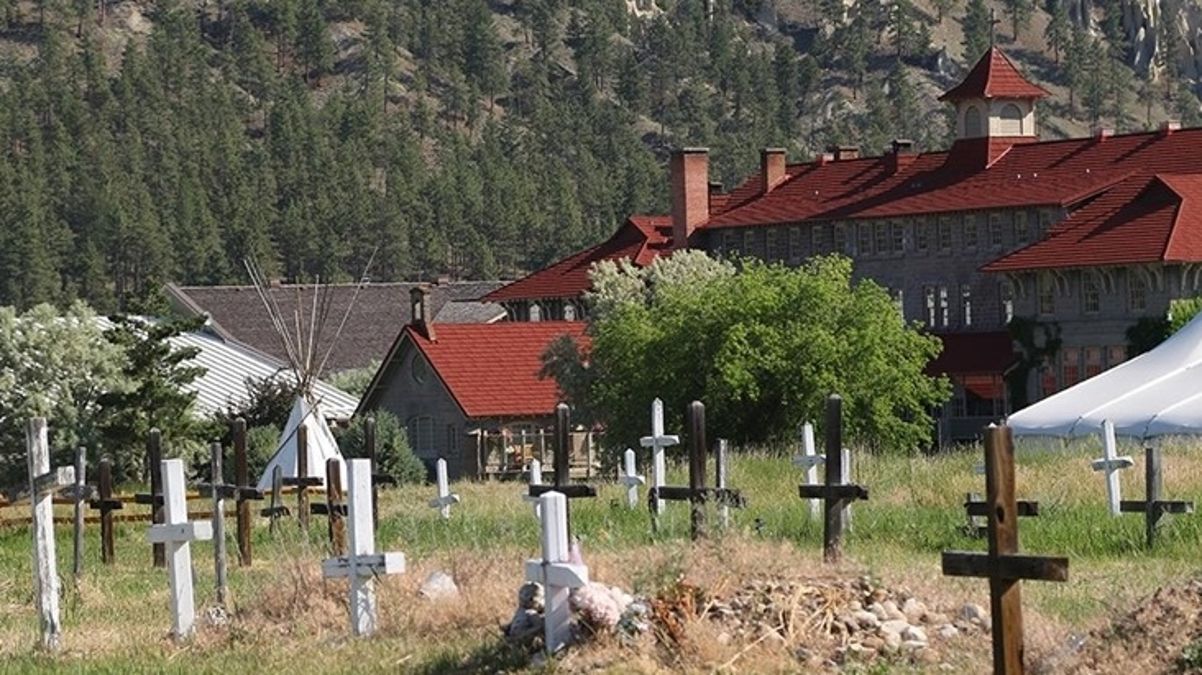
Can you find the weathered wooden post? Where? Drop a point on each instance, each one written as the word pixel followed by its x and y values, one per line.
pixel 219 489
pixel 1110 463
pixel 246 492
pixel 697 494
pixel 557 575
pixel 720 458
pixel 105 504
pixel 302 481
pixel 1153 507
pixel 177 533
pixel 362 565
pixel 79 494
pixel 276 509
pixel 43 483
pixel 630 478
pixel 378 477
pixel 563 451
pixel 658 441
pixel 808 461
pixel 445 497
pixel 836 492
pixel 154 459
pixel 1003 565
pixel 335 507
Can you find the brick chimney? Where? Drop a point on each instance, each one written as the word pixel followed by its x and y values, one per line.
pixel 690 170
pixel 772 168
pixel 842 152
pixel 902 156
pixel 1169 126
pixel 419 307
pixel 1100 134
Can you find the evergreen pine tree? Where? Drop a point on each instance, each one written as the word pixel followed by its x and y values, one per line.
pixel 978 26
pixel 1058 32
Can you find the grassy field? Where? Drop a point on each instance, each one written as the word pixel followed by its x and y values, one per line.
pixel 284 616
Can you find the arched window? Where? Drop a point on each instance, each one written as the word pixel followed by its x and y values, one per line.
pixel 569 312
pixel 972 122
pixel 536 312
pixel 1012 120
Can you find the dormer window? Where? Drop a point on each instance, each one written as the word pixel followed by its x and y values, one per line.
pixel 1011 121
pixel 972 122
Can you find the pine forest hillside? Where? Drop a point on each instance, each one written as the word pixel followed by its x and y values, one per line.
pixel 145 142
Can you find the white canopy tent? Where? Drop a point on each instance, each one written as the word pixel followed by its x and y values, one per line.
pixel 321 445
pixel 1158 393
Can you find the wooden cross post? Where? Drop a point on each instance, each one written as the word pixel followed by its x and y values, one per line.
pixel 445 497
pixel 697 494
pixel 1153 507
pixel 1003 565
pixel 302 481
pixel 154 460
pixel 276 509
pixel 362 565
pixel 563 455
pixel 79 492
pixel 557 575
pixel 335 507
pixel 837 492
pixel 535 479
pixel 219 490
pixel 720 481
pixel 378 477
pixel 244 494
pixel 1111 464
pixel 176 534
pixel 630 478
pixel 105 504
pixel 43 483
pixel 808 461
pixel 658 441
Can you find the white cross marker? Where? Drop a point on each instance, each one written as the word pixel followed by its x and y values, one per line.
pixel 536 478
pixel 657 441
pixel 445 497
pixel 631 479
pixel 846 480
pixel 362 564
pixel 1111 463
pixel 176 533
pixel 809 461
pixel 555 573
pixel 42 485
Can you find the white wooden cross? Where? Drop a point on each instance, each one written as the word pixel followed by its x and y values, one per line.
pixel 536 478
pixel 809 461
pixel 43 483
pixel 176 533
pixel 1111 463
pixel 557 576
pixel 657 441
pixel 631 479
pixel 445 497
pixel 362 564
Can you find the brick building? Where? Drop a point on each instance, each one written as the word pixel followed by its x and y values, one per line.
pixel 1077 239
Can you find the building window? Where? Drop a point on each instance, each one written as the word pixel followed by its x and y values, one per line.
pixel 1091 295
pixel 536 312
pixel 839 234
pixel 1070 367
pixel 899 301
pixel 1006 301
pixel 1047 379
pixel 848 239
pixel 881 230
pixel 945 309
pixel 1022 233
pixel 1046 292
pixel 995 230
pixel 865 243
pixel 770 238
pixel 972 122
pixel 749 242
pixel 971 231
pixel 922 235
pixel 945 234
pixel 569 312
pixel 1137 291
pixel 928 297
pixel 1046 218
pixel 419 369
pixel 1115 354
pixel 794 244
pixel 1011 123
pixel 1093 361
pixel 729 247
pixel 899 237
pixel 966 303
pixel 421 435
pixel 452 449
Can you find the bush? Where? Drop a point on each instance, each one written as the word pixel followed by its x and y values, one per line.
pixel 393 454
pixel 261 443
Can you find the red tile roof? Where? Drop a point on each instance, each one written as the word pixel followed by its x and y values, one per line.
pixel 994 76
pixel 641 239
pixel 492 370
pixel 973 354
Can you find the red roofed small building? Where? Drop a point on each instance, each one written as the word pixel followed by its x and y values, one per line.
pixel 472 393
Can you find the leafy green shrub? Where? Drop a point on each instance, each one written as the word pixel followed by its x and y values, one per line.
pixel 261 444
pixel 393 453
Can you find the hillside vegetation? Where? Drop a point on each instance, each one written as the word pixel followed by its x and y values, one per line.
pixel 146 142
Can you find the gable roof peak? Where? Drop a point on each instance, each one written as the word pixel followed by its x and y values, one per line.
pixel 994 76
